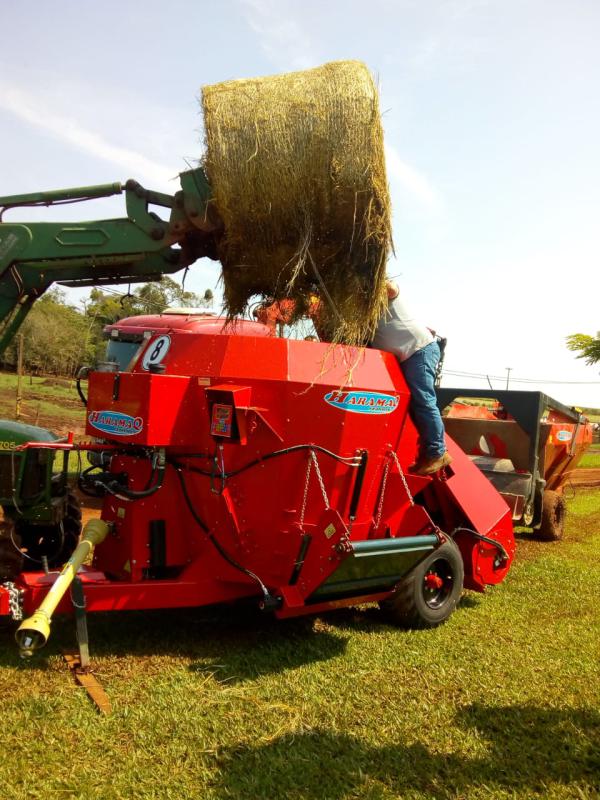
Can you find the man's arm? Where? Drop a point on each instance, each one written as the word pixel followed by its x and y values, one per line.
pixel 392 289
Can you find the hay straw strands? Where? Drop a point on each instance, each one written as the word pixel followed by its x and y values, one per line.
pixel 297 168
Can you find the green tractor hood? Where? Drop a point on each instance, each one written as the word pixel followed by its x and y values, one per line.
pixel 14 434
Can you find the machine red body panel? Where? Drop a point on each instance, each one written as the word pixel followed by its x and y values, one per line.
pixel 286 485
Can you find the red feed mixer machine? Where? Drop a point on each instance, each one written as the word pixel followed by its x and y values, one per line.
pixel 237 464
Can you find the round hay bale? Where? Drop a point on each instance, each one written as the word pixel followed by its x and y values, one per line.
pixel 297 168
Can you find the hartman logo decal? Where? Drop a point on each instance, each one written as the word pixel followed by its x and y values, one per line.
pixel 116 423
pixel 363 402
pixel 564 436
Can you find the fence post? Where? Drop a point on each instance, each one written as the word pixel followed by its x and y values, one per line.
pixel 19 374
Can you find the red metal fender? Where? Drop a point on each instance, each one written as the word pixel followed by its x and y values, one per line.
pixel 477 507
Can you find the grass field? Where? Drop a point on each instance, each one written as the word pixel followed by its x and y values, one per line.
pixel 592 458
pixel 46 401
pixel 501 702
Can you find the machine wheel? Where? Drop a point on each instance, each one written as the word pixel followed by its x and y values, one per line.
pixel 56 542
pixel 554 511
pixel 430 593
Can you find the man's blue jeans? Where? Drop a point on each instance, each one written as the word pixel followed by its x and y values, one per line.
pixel 419 372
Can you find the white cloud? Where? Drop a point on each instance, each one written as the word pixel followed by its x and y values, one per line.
pixel 281 37
pixel 32 109
pixel 411 179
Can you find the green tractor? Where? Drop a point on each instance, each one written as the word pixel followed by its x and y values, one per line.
pixel 42 516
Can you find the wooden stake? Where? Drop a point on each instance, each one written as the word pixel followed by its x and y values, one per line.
pixel 19 374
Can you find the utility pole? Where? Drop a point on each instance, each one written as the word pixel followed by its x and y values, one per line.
pixel 19 374
pixel 508 371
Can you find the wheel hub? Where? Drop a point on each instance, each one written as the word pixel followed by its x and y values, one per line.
pixel 438 583
pixel 433 581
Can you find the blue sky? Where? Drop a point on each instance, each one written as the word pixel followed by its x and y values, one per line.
pixel 492 122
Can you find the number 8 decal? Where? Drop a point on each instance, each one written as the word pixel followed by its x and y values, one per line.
pixel 156 351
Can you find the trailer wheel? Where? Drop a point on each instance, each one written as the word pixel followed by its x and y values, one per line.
pixel 430 593
pixel 554 511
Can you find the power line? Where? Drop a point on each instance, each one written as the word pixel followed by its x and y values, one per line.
pixel 455 373
pixel 483 376
pixel 151 304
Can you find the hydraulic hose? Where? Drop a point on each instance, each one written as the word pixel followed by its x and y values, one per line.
pixel 349 460
pixel 269 600
pixel 83 372
pixel 483 538
pixel 159 468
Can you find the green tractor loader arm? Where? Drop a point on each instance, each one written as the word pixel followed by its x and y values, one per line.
pixel 137 248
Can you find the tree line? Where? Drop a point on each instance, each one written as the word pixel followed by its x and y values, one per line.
pixel 58 338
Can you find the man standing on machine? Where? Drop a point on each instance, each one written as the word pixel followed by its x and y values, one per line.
pixel 418 352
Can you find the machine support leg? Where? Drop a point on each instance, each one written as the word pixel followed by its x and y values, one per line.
pixel 80 664
pixel 78 599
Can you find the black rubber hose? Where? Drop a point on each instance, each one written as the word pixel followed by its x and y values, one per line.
pixel 483 538
pixel 115 488
pixel 159 467
pixel 223 553
pixel 80 374
pixel 83 486
pixel 266 457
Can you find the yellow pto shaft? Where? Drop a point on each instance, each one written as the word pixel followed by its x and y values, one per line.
pixel 33 633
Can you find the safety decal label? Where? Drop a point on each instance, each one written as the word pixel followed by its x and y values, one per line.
pixel 116 423
pixel 564 436
pixel 363 402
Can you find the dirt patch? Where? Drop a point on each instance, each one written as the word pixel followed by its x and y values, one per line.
pixel 586 477
pixel 90 506
pixel 65 383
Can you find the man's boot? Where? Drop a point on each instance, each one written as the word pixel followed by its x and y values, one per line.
pixel 427 465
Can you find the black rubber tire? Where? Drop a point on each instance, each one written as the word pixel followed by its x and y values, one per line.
pixel 413 605
pixel 49 540
pixel 554 512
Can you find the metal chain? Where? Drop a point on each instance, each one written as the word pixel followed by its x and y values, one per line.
pixel 312 461
pixel 305 496
pixel 320 477
pixel 404 483
pixel 382 493
pixel 386 471
pixel 15 601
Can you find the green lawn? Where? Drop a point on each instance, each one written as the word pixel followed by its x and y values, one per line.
pixel 46 401
pixel 49 386
pixel 501 702
pixel 591 458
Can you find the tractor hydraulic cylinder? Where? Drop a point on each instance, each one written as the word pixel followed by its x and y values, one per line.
pixel 33 633
pixel 62 195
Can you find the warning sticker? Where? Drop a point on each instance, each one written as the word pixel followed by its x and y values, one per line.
pixel 222 420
